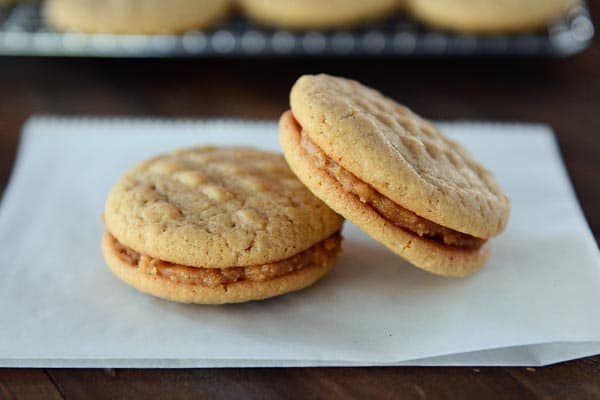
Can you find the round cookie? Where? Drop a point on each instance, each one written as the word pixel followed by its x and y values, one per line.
pixel 317 14
pixel 133 16
pixel 393 174
pixel 218 225
pixel 488 16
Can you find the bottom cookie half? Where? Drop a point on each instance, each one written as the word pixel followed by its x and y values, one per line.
pixel 233 292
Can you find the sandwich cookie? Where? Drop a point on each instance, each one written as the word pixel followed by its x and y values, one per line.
pixel 393 174
pixel 134 16
pixel 218 225
pixel 317 14
pixel 489 16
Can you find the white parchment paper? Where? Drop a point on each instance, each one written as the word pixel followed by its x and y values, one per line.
pixel 536 302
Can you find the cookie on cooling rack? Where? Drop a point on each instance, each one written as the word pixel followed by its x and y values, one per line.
pixel 134 16
pixel 317 14
pixel 488 16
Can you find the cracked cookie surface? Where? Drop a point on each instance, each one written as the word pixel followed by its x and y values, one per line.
pixel 217 207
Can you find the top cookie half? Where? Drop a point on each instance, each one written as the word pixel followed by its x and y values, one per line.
pixel 217 208
pixel 400 155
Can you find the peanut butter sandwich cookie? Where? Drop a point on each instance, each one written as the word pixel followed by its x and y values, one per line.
pixel 218 225
pixel 489 16
pixel 393 174
pixel 134 16
pixel 317 14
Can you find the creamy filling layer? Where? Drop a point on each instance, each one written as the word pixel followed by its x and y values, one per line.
pixel 316 255
pixel 385 207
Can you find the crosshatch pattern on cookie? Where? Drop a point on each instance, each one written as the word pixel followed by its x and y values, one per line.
pixel 217 207
pixel 430 255
pixel 401 155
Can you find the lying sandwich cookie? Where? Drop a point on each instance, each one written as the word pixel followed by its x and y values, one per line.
pixel 218 225
pixel 393 174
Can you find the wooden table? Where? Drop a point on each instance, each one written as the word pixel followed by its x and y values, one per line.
pixel 562 93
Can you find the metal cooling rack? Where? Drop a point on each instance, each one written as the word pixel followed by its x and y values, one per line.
pixel 23 32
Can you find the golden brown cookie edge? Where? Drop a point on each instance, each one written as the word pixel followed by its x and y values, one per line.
pixel 239 292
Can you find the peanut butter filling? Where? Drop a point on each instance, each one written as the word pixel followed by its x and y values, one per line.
pixel 385 207
pixel 318 254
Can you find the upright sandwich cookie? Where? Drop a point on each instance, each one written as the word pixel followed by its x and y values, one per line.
pixel 393 174
pixel 218 225
pixel 134 16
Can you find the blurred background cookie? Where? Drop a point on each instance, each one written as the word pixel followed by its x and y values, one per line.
pixel 134 16
pixel 317 14
pixel 488 16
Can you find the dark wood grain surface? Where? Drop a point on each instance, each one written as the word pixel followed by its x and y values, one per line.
pixel 562 93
